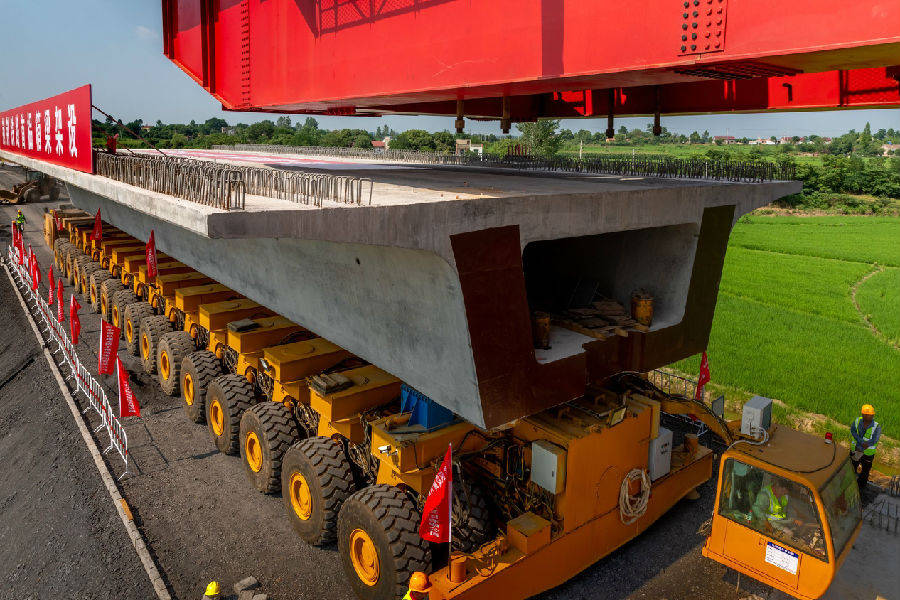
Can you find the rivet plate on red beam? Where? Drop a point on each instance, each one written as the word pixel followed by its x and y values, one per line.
pixel 701 26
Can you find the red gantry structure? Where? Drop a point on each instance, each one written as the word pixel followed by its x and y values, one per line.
pixel 520 60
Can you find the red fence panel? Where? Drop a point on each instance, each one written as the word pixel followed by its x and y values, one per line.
pixel 55 130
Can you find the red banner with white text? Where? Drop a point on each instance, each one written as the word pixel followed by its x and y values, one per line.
pixel 55 130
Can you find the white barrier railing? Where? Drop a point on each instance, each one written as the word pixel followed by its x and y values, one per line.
pixel 84 381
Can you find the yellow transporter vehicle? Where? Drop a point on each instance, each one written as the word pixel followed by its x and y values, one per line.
pixel 355 451
pixel 797 549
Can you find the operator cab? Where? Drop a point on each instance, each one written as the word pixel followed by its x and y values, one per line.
pixel 787 511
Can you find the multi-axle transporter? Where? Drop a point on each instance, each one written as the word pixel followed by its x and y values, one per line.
pixel 353 450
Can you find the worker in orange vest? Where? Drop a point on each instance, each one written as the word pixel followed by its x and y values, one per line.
pixel 418 587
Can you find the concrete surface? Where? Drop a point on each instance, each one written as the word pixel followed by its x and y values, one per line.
pixel 203 521
pixel 382 281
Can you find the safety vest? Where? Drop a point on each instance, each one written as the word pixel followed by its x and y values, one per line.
pixel 777 507
pixel 867 436
pixel 20 219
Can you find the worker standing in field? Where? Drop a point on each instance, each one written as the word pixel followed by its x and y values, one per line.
pixel 865 432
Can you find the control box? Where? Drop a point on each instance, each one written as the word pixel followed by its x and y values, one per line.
pixel 548 466
pixel 757 415
pixel 659 462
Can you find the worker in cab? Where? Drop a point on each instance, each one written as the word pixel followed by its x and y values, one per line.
pixel 419 584
pixel 771 507
pixel 865 432
pixel 20 220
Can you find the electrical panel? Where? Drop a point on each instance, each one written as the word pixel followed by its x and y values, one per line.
pixel 757 415
pixel 548 466
pixel 659 462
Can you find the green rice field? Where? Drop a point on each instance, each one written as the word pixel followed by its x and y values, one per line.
pixel 786 324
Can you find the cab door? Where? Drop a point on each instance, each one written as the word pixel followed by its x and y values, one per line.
pixel 761 553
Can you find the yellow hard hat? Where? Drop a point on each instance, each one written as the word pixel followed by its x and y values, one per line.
pixel 868 409
pixel 419 582
pixel 212 590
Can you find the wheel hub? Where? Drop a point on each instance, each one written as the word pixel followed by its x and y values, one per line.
pixel 188 386
pixel 253 452
pixel 145 347
pixel 129 331
pixel 217 417
pixel 301 499
pixel 164 366
pixel 364 557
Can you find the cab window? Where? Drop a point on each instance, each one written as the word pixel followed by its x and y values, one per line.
pixel 775 507
pixel 842 507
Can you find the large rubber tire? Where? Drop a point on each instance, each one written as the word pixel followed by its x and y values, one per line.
pixel 120 300
pixel 79 264
pixel 152 330
pixel 71 257
pixel 267 430
pixel 197 371
pixel 227 397
pixel 134 313
pixel 60 255
pixel 390 520
pixel 97 279
pixel 472 523
pixel 84 278
pixel 170 353
pixel 107 290
pixel 319 465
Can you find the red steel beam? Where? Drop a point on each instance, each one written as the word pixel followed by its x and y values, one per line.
pixel 411 56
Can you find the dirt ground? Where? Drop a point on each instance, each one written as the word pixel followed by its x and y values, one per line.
pixel 203 521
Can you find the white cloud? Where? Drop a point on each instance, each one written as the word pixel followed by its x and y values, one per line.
pixel 145 33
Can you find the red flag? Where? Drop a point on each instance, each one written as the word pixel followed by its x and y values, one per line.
pixel 128 404
pixel 704 377
pixel 30 258
pixel 109 346
pixel 58 221
pixel 151 256
pixel 435 525
pixel 74 321
pixel 97 232
pixel 21 248
pixel 35 272
pixel 60 309
pixel 52 284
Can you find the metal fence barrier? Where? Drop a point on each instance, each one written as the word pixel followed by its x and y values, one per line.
pixel 724 169
pixel 85 383
pixel 226 186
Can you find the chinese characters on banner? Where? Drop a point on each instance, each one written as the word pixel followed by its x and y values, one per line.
pixel 435 525
pixel 109 347
pixel 56 130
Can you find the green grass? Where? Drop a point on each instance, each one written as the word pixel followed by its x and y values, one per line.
pixel 804 284
pixel 879 298
pixel 786 326
pixel 851 238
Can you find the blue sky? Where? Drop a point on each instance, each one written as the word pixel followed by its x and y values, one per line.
pixel 54 45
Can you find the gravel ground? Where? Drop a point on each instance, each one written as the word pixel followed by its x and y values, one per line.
pixel 203 521
pixel 60 536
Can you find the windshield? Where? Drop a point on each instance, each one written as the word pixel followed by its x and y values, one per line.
pixel 773 506
pixel 842 507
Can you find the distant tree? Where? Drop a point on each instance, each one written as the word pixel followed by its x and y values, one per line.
pixel 260 132
pixel 541 137
pixel 283 122
pixel 695 138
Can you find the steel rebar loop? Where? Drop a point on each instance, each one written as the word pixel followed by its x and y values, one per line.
pixel 227 186
pixel 720 169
